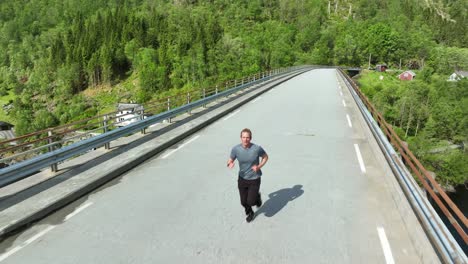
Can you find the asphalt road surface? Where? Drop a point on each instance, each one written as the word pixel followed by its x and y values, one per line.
pixel 326 199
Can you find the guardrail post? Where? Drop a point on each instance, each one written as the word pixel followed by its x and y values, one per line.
pixel 169 108
pixel 204 95
pixel 53 167
pixel 188 102
pixel 235 83
pixel 104 126
pixel 227 87
pixel 428 195
pixel 242 81
pixel 142 116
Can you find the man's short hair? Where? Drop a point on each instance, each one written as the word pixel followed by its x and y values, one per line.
pixel 247 131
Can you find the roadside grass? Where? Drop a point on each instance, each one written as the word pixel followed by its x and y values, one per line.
pixel 4 100
pixel 371 82
pixel 389 76
pixel 106 97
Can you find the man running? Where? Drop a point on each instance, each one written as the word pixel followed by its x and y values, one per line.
pixel 248 155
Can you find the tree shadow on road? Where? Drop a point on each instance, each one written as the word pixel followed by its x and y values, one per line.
pixel 279 199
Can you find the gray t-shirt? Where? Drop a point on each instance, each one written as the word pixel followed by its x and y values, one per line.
pixel 248 157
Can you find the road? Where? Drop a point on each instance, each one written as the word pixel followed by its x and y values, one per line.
pixel 326 192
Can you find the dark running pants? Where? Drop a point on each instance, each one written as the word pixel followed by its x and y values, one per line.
pixel 248 191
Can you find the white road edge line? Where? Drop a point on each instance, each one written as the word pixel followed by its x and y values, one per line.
pixel 359 157
pixel 77 210
pixel 344 104
pixel 41 233
pixel 38 235
pixel 341 93
pixel 349 121
pixel 9 253
pixel 256 99
pixel 27 242
pixel 231 115
pixel 385 246
pixel 181 146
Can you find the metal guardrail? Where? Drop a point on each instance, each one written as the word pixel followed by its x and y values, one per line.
pixel 39 142
pixel 55 155
pixel 448 249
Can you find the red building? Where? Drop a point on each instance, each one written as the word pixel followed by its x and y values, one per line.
pixel 407 75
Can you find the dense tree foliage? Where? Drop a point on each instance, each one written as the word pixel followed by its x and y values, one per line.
pixel 431 114
pixel 52 51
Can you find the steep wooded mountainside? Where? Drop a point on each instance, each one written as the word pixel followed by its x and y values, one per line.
pixel 57 56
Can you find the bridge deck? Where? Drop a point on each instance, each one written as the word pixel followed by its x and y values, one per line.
pixel 321 204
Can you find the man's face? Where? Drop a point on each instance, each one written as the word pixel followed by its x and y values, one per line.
pixel 245 139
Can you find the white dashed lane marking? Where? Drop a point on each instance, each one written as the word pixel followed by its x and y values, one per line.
pixel 360 160
pixel 349 121
pixel 256 99
pixel 179 147
pixel 27 242
pixel 385 246
pixel 42 233
pixel 77 210
pixel 231 115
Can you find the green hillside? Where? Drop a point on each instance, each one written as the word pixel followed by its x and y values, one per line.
pixel 430 113
pixel 63 60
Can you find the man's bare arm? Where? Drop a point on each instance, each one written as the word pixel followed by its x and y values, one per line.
pixel 230 163
pixel 263 162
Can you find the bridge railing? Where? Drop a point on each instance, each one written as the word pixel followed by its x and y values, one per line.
pixel 429 184
pixel 29 153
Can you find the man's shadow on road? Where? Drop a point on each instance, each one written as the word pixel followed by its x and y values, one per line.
pixel 277 200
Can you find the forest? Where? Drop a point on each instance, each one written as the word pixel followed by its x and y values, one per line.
pixel 58 55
